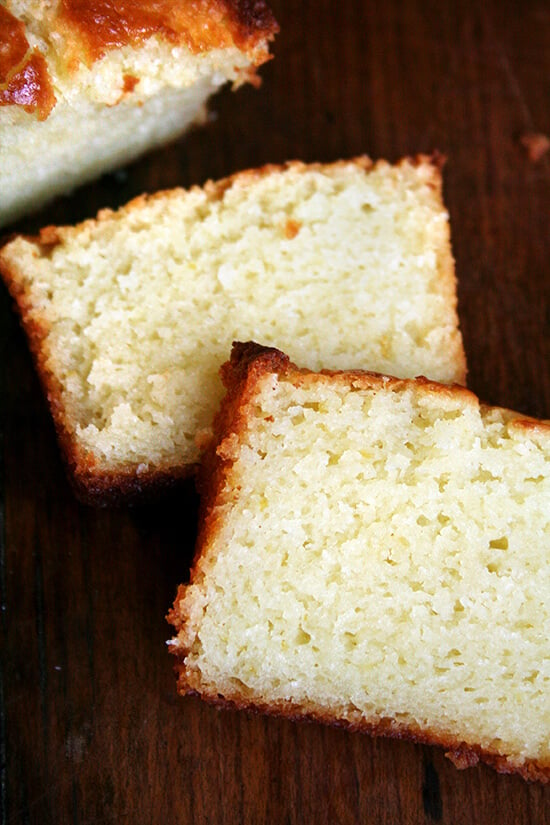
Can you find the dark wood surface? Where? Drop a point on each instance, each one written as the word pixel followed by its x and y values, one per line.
pixel 92 729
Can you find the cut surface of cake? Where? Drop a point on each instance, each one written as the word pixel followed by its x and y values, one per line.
pixel 130 316
pixel 375 553
pixel 87 85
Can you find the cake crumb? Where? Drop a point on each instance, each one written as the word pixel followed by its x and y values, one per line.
pixel 535 144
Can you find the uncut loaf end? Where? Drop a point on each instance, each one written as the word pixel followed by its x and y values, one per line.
pixel 87 85
pixel 130 316
pixel 374 553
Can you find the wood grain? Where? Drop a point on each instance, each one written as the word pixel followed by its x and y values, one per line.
pixel 92 730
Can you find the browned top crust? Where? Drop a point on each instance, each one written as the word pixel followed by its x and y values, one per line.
pixel 90 28
pixel 198 24
pixel 249 360
pixel 24 78
pixel 13 43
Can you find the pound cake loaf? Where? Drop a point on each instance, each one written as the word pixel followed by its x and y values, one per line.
pixel 374 553
pixel 130 316
pixel 86 85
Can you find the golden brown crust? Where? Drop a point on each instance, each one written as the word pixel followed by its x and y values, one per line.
pixel 200 25
pixel 91 28
pixel 250 360
pixel 24 77
pixel 112 489
pixel 13 44
pixel 462 754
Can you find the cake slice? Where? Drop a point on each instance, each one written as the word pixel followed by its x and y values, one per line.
pixel 86 85
pixel 130 316
pixel 374 553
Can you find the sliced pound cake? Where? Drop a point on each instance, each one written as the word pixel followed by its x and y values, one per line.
pixel 86 85
pixel 130 316
pixel 374 553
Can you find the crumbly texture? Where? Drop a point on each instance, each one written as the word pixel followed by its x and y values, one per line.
pixel 374 553
pixel 100 83
pixel 131 316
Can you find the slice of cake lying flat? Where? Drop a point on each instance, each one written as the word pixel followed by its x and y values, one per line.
pixel 86 85
pixel 131 316
pixel 374 552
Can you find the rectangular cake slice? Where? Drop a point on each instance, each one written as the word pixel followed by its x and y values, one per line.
pixel 87 85
pixel 374 552
pixel 130 316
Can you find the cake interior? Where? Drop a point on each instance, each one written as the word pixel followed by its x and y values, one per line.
pixel 379 554
pixel 140 308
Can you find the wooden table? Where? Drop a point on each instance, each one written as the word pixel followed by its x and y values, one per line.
pixel 92 728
